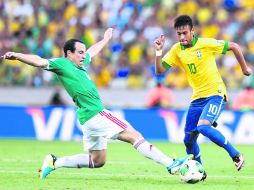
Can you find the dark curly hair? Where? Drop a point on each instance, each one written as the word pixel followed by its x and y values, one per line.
pixel 183 20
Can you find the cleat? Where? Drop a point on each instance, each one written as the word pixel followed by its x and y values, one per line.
pixel 47 166
pixel 204 176
pixel 239 161
pixel 175 166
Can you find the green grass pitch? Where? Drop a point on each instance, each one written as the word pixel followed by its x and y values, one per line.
pixel 125 168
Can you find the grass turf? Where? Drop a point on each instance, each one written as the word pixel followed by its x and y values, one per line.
pixel 125 168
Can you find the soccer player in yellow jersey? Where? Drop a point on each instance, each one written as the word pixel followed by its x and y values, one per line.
pixel 196 57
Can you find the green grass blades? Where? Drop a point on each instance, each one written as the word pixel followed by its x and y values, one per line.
pixel 125 168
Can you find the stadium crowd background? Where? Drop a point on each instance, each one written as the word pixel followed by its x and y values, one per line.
pixel 41 27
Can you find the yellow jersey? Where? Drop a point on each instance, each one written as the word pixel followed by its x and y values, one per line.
pixel 198 62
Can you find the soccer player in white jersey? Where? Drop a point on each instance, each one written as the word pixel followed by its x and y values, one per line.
pixel 98 123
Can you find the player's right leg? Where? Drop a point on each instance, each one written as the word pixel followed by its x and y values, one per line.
pixel 148 150
pixel 191 133
pixel 190 141
pixel 192 147
pixel 190 130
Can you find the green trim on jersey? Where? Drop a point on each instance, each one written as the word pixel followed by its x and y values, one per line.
pixel 78 84
pixel 165 65
pixel 87 59
pixel 225 49
pixel 194 41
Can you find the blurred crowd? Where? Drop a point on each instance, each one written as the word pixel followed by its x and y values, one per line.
pixel 41 27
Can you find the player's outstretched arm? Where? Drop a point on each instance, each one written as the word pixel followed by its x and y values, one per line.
pixel 158 45
pixel 240 58
pixel 96 48
pixel 33 60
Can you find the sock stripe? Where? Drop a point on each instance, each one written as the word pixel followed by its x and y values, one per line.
pixel 138 143
pixel 197 156
pixel 91 164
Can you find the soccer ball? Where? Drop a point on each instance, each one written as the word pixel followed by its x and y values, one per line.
pixel 191 171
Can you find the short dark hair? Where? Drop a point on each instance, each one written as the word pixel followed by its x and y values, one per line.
pixel 183 20
pixel 70 45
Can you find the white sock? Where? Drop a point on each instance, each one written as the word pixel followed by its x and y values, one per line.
pixel 151 152
pixel 75 161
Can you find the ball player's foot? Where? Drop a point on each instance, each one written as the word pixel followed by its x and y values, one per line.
pixel 239 161
pixel 47 166
pixel 177 163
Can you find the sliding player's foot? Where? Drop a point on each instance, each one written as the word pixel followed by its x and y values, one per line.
pixel 175 166
pixel 47 166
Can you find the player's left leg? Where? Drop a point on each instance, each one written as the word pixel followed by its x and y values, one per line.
pixel 209 115
pixel 47 166
pixel 94 159
pixel 95 132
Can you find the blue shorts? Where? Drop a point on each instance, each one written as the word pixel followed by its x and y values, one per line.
pixel 204 109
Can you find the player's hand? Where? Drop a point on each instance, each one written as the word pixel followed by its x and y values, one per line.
pixel 159 42
pixel 9 55
pixel 108 34
pixel 247 72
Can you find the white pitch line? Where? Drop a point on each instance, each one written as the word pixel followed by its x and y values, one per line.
pixel 102 174
pixel 118 174
pixel 17 160
pixel 39 161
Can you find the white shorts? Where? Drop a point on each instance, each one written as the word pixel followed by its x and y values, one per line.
pixel 103 126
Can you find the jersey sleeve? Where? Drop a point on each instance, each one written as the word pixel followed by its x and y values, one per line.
pixel 87 60
pixel 217 46
pixel 54 65
pixel 170 59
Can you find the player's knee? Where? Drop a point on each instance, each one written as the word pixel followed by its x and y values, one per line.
pixel 130 136
pixel 203 125
pixel 203 122
pixel 99 164
pixel 98 159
